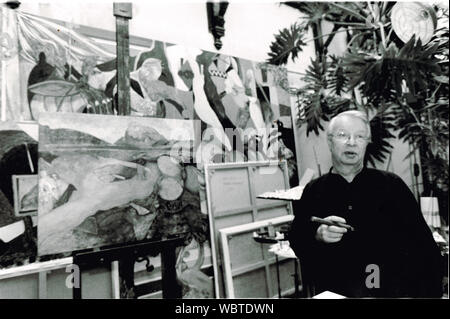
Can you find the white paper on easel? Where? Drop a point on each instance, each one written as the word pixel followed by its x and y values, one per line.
pixel 294 193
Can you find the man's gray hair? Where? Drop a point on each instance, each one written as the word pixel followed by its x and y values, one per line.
pixel 352 113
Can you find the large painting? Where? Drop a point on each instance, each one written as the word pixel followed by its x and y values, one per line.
pixel 106 180
pixel 243 106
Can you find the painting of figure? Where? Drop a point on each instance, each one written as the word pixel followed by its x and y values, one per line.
pixel 106 180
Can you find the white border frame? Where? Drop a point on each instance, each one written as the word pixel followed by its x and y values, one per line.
pixel 226 233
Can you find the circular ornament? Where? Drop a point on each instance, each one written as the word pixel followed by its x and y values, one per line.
pixel 413 18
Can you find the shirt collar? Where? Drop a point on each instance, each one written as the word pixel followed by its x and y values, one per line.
pixel 360 174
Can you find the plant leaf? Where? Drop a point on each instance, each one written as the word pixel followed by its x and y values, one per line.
pixel 337 79
pixel 379 148
pixel 289 42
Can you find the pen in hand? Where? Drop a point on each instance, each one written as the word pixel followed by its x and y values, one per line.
pixel 331 223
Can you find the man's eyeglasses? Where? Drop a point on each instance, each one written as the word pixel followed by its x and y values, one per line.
pixel 344 137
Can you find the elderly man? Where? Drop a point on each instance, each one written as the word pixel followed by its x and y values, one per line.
pixel 390 252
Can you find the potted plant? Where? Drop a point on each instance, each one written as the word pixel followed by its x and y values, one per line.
pixel 401 85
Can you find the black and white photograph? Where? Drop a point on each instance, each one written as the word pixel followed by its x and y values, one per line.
pixel 218 150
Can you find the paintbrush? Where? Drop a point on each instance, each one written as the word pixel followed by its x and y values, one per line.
pixel 331 223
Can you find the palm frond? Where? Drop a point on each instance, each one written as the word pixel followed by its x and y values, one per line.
pixel 288 42
pixel 336 75
pixel 314 95
pixel 335 104
pixel 437 169
pixel 382 76
pixel 379 147
pixel 316 75
pixel 319 103
pixel 314 114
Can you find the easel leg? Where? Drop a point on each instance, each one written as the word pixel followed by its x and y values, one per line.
pixel 170 287
pixel 126 273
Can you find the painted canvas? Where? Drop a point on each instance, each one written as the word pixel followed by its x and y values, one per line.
pixel 18 166
pixel 25 188
pixel 106 180
pixel 244 106
pixel 46 71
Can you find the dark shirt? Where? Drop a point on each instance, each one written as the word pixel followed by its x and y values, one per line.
pixel 391 236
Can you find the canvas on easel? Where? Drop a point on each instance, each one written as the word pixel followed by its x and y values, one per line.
pixel 106 180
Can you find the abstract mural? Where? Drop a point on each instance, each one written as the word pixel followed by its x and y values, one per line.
pixel 46 70
pixel 243 106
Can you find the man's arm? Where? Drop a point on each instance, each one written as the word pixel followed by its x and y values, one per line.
pixel 306 236
pixel 302 235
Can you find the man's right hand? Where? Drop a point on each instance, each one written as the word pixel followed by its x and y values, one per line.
pixel 331 234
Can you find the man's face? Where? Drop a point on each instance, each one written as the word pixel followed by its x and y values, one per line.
pixel 349 141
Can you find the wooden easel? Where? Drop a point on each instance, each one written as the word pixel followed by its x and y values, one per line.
pixel 128 254
pixel 123 13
